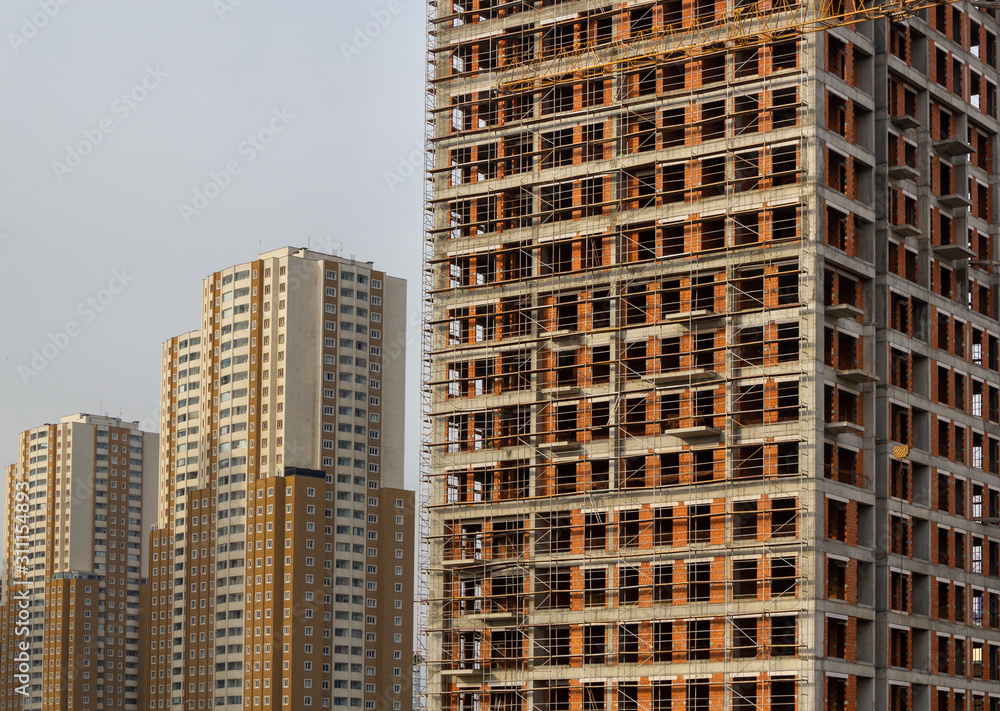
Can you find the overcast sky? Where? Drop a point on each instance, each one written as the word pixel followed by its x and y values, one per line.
pixel 116 114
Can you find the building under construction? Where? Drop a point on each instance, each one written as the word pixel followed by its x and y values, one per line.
pixel 711 356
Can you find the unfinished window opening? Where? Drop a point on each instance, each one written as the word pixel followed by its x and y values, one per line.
pixel 703 293
pixel 670 297
pixel 601 305
pixel 594 587
pixel 594 646
pixel 746 229
pixel 745 521
pixel 784 107
pixel 635 359
pixel 713 234
pixel 506 594
pixel 836 520
pixel 674 126
pixel 785 54
pixel 788 284
pixel 788 458
pixel 640 132
pixel 558 98
pixel 673 239
pixel 634 475
pixel 595 531
pixel 713 120
pixel 749 405
pixel 674 186
pixel 745 645
pixel 836 114
pixel 566 429
pixel 784 513
pixel 669 469
pixel 713 65
pixel 555 533
pixel 506 649
pixel 635 416
pixel 788 401
pixel 566 370
pixel 788 342
pixel 746 63
pixel 567 312
pixel 698 696
pixel 745 579
pixel 704 359
pixel 641 244
pixel 784 165
pixel 663 526
pixel 783 577
pixel 703 460
pixel 557 148
pixel 566 478
pixel 628 585
pixel 749 287
pixel 699 524
pixel 713 176
pixel 836 177
pixel 553 646
pixel 746 114
pixel 628 653
pixel 556 202
pixel 836 57
pixel 783 636
pixel 600 474
pixel 748 462
pixel 699 639
pixel 750 347
pixel 699 581
pixel 663 642
pixel 674 75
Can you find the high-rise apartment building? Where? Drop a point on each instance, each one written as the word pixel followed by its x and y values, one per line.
pixel 712 357
pixel 76 504
pixel 282 563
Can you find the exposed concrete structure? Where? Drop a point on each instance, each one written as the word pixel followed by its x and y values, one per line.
pixel 282 566
pixel 75 564
pixel 712 359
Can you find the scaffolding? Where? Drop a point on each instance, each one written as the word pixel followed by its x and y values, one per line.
pixel 620 420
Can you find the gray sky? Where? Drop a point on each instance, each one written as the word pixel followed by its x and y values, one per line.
pixel 307 114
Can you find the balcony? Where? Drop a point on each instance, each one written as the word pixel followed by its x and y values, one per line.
pixel 953 252
pixel 906 230
pixel 698 427
pixel 905 121
pixel 953 147
pixel 682 376
pixel 838 311
pixel 694 314
pixel 903 172
pixel 954 200
pixel 857 375
pixel 835 429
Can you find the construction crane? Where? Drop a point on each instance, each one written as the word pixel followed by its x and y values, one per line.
pixel 747 25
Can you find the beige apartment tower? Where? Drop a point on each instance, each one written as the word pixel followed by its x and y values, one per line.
pixel 282 561
pixel 712 356
pixel 75 563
